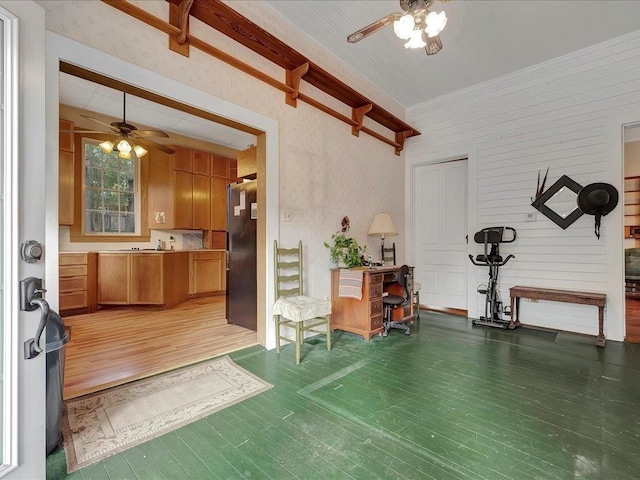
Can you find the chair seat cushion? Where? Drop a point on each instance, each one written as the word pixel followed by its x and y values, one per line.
pixel 393 300
pixel 299 307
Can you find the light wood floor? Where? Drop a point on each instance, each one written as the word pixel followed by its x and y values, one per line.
pixel 115 346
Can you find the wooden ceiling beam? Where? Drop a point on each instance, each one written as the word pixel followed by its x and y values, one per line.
pixel 293 80
pixel 179 17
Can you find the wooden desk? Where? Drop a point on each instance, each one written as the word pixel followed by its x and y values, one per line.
pixel 569 296
pixel 364 317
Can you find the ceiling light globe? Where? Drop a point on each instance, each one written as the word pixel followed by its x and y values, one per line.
pixel 416 40
pixel 124 146
pixel 403 26
pixel 435 23
pixel 140 152
pixel 107 146
pixel 125 155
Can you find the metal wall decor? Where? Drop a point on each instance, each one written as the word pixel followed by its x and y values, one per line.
pixel 559 202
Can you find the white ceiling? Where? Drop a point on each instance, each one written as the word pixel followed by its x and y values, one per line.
pixel 96 98
pixel 482 40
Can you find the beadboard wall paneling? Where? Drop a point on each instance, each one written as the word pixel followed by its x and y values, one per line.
pixel 555 115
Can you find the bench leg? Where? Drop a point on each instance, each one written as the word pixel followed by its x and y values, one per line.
pixel 600 340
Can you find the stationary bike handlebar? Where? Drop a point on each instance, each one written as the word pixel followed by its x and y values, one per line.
pixel 491 264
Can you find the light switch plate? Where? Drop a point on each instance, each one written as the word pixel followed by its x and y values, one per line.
pixel 530 217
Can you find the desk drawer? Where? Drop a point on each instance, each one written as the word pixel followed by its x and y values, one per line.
pixel 375 308
pixel 73 270
pixel 376 322
pixel 73 300
pixel 375 278
pixel 375 290
pixel 73 284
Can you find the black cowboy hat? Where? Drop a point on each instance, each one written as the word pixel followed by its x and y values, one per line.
pixel 598 199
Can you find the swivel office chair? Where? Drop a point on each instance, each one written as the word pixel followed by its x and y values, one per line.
pixel 393 300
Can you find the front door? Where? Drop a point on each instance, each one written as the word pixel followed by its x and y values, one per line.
pixel 22 150
pixel 440 228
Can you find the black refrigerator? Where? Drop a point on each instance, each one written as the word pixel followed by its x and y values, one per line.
pixel 242 213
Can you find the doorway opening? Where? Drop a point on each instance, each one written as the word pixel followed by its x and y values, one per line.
pixel 632 231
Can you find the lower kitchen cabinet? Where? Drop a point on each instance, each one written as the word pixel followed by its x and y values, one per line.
pixel 160 279
pixel 207 272
pixel 77 283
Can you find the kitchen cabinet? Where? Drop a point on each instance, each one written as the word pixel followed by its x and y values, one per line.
pixel 65 172
pixel 180 190
pixel 77 283
pixel 207 272
pixel 151 278
pixel 632 206
pixel 114 273
pixel 221 171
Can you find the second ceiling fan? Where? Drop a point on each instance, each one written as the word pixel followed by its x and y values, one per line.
pixel 129 137
pixel 419 26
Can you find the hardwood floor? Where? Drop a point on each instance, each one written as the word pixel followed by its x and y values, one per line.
pixel 115 346
pixel 633 320
pixel 448 402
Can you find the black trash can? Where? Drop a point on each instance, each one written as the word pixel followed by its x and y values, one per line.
pixel 57 338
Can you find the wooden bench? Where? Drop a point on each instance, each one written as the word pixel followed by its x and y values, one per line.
pixel 568 296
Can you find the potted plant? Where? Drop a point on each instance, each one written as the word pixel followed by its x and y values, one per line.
pixel 345 251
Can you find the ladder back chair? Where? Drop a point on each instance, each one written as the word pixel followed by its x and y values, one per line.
pixel 389 254
pixel 292 308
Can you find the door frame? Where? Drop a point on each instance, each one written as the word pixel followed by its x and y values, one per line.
pixel 60 48
pixel 615 255
pixel 470 152
pixel 24 416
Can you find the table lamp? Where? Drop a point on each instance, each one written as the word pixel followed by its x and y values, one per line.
pixel 383 227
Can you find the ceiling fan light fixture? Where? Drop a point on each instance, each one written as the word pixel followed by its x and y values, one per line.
pixel 403 26
pixel 124 155
pixel 416 40
pixel 107 146
pixel 124 146
pixel 140 151
pixel 435 23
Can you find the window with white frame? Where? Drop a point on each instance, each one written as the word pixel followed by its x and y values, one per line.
pixel 111 199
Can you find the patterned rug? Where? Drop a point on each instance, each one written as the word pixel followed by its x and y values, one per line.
pixel 102 424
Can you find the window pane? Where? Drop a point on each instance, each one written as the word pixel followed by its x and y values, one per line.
pixel 94 222
pixel 110 191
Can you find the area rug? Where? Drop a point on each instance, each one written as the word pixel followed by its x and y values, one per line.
pixel 99 425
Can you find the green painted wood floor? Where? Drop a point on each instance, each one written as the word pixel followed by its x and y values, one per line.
pixel 451 401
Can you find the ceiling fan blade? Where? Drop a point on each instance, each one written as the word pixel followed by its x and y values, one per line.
pixel 151 144
pixel 150 133
pixel 372 28
pixel 110 127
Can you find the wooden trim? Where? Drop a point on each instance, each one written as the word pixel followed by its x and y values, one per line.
pixel 357 114
pixel 449 311
pixel 179 17
pixel 400 139
pixel 293 78
pixel 221 17
pixel 94 77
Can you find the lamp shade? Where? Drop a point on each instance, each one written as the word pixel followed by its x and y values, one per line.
pixel 382 226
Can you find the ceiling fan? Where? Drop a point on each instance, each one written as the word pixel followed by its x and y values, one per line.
pixel 417 25
pixel 129 137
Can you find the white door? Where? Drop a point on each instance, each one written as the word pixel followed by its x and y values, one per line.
pixel 22 150
pixel 439 236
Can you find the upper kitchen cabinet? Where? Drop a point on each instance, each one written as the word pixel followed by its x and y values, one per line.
pixel 65 172
pixel 247 166
pixel 179 190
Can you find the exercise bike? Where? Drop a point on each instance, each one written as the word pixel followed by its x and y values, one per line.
pixel 493 310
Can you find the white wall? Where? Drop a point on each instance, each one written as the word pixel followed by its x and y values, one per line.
pixel 565 114
pixel 325 173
